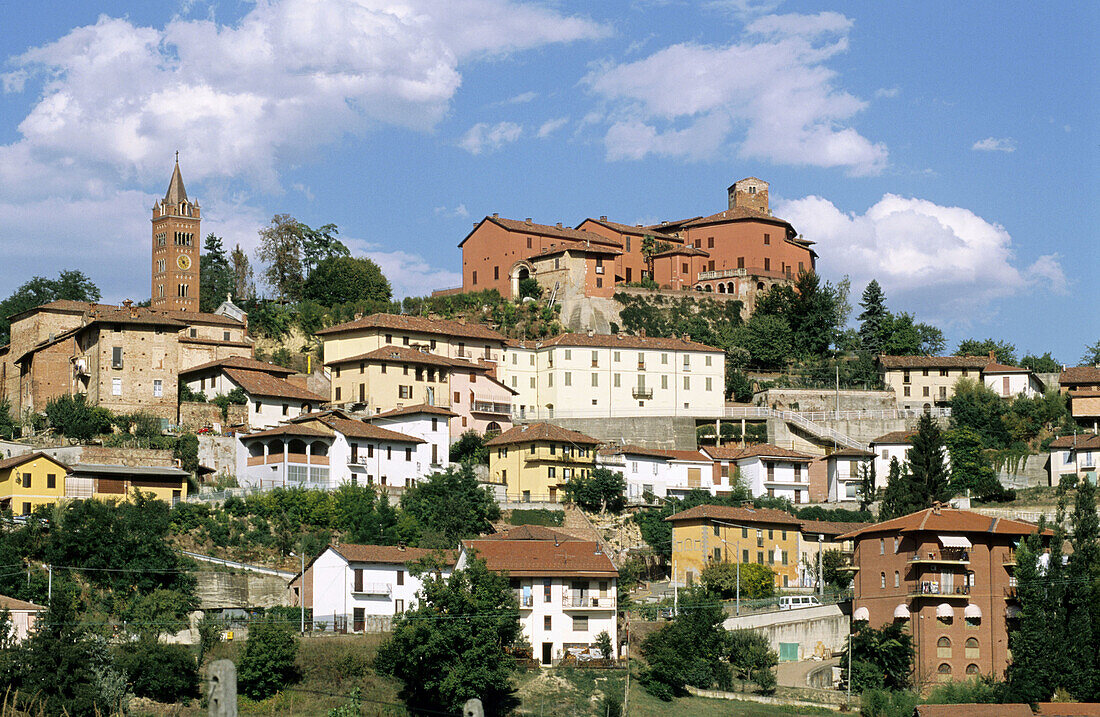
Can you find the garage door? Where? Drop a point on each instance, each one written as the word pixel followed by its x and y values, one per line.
pixel 788 651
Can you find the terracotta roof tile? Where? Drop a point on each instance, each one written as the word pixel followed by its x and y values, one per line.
pixel 408 355
pixel 259 383
pixel 741 515
pixel 631 450
pixel 416 324
pixel 948 362
pixel 539 558
pixel 994 367
pixel 529 532
pixel 203 317
pixel 358 429
pixel 894 437
pixel 249 364
pixel 1079 374
pixel 974 710
pixel 10 603
pixel 831 527
pixel 246 344
pixel 1089 441
pixel 546 230
pixel 388 554
pixel 619 341
pixel 527 433
pixel 19 460
pixel 681 251
pixel 1069 709
pixel 586 249
pixel 850 453
pixel 632 230
pixel 759 450
pixel 947 520
pixel 410 410
pixel 738 214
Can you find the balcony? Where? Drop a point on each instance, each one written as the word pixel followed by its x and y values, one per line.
pixel 371 589
pixel 1009 560
pixel 931 588
pixel 577 600
pixel 500 409
pixel 641 365
pixel 525 601
pixel 641 392
pixel 945 557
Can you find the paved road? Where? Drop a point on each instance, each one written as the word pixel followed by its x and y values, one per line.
pixel 793 674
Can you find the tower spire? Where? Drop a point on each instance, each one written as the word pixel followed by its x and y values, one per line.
pixel 176 191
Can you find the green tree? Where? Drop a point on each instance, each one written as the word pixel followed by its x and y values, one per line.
pixel 366 516
pixel 161 672
pixel 236 397
pixel 1041 364
pixel 926 466
pixel 320 245
pixel 832 569
pixel 243 287
pixel 749 651
pixel 268 664
pixel 971 469
pixel 74 417
pixel 867 481
pixel 470 448
pixel 601 490
pixel 281 250
pixel 768 339
pixel 186 451
pixel 976 407
pixel 7 423
pixel 443 662
pixel 344 279
pixel 1091 357
pixel 451 505
pixel 898 498
pixel 875 320
pixel 885 657
pixel 70 284
pixel 1037 642
pixel 1081 657
pixel 216 279
pixel 906 337
pixel 689 650
pixel 530 288
pixel 757 581
pixel 1003 351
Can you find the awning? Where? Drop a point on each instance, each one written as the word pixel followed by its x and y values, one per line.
pixel 861 614
pixel 973 611
pixel 901 612
pixel 955 541
pixel 1013 611
pixel 944 610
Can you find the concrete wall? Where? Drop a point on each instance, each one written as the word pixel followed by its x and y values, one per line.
pixel 220 590
pixel 817 630
pixel 650 432
pixel 805 400
pixel 1030 472
pixel 219 453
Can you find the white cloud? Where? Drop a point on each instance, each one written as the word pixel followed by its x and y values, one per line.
pixel 520 99
pixel 947 263
pixel 745 8
pixel 769 97
pixel 888 92
pixel 995 144
pixel 483 137
pixel 410 274
pixel 459 212
pixel 551 126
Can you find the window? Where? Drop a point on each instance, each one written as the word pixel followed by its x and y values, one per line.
pixel 906 391
pixel 51 480
pixel 687 383
pixel 615 380
pixel 158 388
pixel 547 623
pixel 897 579
pixel 400 577
pixel 398 607
pixel 568 378
pixel 615 356
pixel 580 623
pixel 767 239
pixel 767 264
pixel 740 262
pixel 358 575
pixel 595 379
pixel 882 580
pixel 335 393
pixel 717 555
pixel 546 583
pixel 744 556
pixel 116 357
pixel 708 382
pixel 474 278
pixel 973 669
pixel 971 648
pixel 760 557
pixel 404 391
pixel 408 454
pixel 116 386
pixel 26 480
pixel 882 546
pixel 664 381
pixel 496 273
pixel 710 242
pixel 943 647
pixel 286 409
pixel 944 669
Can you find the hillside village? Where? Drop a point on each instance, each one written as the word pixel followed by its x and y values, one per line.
pixel 636 442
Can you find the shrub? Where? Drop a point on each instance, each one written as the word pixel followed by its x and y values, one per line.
pixel 757 581
pixel 750 653
pixel 165 673
pixel 886 703
pixel 268 662
pixel 765 679
pixel 537 516
pixel 601 490
pixel 603 643
pixel 236 397
pixel 73 417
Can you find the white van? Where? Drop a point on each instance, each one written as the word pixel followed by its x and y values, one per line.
pixel 793 602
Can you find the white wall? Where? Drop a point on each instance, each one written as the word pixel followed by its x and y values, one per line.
pixel 884 453
pixel 1018 384
pixel 334 582
pixel 841 473
pixel 433 429
pixel 755 475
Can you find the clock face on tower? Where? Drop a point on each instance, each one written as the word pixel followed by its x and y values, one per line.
pixel 183 262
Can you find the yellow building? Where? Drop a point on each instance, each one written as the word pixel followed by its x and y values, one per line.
pixel 29 481
pixel 709 534
pixel 113 482
pixel 535 461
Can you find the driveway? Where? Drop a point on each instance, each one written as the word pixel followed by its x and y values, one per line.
pixel 793 674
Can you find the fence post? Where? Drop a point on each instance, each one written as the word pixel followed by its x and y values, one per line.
pixel 221 688
pixel 473 708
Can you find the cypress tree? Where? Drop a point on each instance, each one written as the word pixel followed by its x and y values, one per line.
pixel 1033 672
pixel 1082 659
pixel 926 464
pixel 875 319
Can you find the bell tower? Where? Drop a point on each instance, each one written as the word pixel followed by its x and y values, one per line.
pixel 176 238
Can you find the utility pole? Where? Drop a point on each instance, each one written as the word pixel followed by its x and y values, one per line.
pixel 820 563
pixel 738 584
pixel 302 589
pixel 49 585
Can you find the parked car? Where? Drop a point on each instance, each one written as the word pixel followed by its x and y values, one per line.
pixel 793 602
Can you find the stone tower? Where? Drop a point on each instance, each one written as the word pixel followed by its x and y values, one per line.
pixel 751 193
pixel 176 239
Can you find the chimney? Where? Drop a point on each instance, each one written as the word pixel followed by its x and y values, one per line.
pixel 527 220
pixel 358 315
pixel 992 356
pixel 496 216
pixel 591 333
pixel 936 506
pixel 401 547
pixel 643 333
pixel 559 225
pixel 462 320
pixel 603 217
pixel 128 303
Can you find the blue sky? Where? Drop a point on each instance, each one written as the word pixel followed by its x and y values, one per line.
pixel 946 149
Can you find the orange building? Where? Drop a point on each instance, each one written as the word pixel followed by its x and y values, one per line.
pixel 176 240
pixel 633 264
pixel 948 576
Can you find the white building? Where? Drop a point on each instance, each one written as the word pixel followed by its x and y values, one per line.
pixel 1075 455
pixel 1011 381
pixel 843 472
pixel 765 470
pixel 348 585
pixel 664 473
pixel 596 375
pixel 428 423
pixel 325 450
pixel 23 615
pixel 272 399
pixel 895 444
pixel 566 589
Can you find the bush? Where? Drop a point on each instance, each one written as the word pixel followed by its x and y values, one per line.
pixel 610 706
pixel 603 643
pixel 757 581
pixel 470 448
pixel 236 397
pixel 269 656
pixel 74 418
pixel 601 490
pixel 537 516
pixel 765 679
pixel 750 653
pixel 885 703
pixel 165 673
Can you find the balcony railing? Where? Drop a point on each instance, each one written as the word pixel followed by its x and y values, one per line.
pixel 372 589
pixel 582 600
pixel 955 557
pixel 934 588
pixel 641 392
pixel 527 600
pixel 504 409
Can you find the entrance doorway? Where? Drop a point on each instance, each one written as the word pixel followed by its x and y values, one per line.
pixel 547 653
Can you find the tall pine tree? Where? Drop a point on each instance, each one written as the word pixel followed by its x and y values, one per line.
pixel 215 275
pixel 875 319
pixel 922 481
pixel 1082 659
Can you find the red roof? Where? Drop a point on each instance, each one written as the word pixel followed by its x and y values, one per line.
pixel 543 558
pixel 408 355
pixel 617 341
pixel 358 429
pixel 19 460
pixel 759 450
pixel 740 515
pixel 638 230
pixel 850 453
pixel 947 520
pixel 529 532
pixel 416 324
pixel 10 603
pixel 259 383
pixel 681 250
pixel 976 710
pixel 547 230
pixel 911 362
pixel 994 367
pixel 293 430
pixel 1086 441
pixel 831 527
pixel 249 364
pixel 412 410
pixel 388 554
pixel 1073 375
pixel 529 432
pixel 895 437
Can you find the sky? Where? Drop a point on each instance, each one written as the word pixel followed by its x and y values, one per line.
pixel 948 150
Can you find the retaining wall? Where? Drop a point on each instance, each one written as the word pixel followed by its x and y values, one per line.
pixel 817 630
pixel 669 432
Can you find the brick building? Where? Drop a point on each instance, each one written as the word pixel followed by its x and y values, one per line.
pixel 742 250
pixel 1082 383
pixel 176 240
pixel 948 575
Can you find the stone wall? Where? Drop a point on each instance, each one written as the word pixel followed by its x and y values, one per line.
pixel 1028 473
pixel 667 432
pixel 806 400
pixel 127 456
pixel 817 630
pixel 218 590
pixel 218 453
pixel 195 415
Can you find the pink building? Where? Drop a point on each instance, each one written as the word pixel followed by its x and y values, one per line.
pixel 482 403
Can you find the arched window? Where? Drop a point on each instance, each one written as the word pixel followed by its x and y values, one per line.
pixel 944 669
pixel 944 642
pixel 759 286
pixel 882 578
pixel 493 427
pixel 972 669
pixel 256 448
pixel 943 647
pixel 721 288
pixel 972 649
pixel 296 445
pixel 897 579
pixel 318 448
